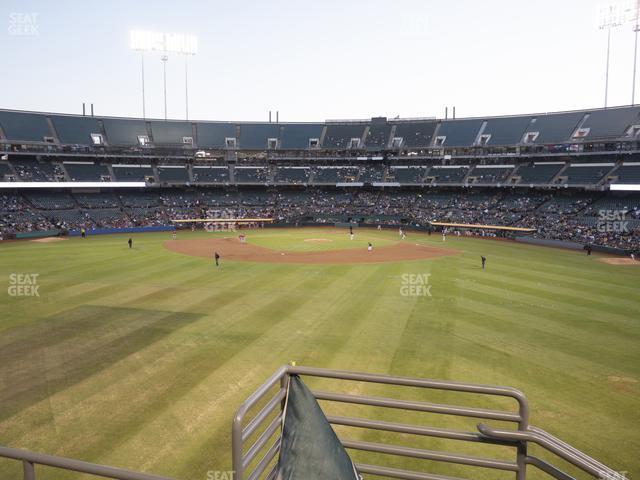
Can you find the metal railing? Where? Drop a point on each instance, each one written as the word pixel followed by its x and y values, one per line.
pixel 252 459
pixel 256 438
pixel 30 460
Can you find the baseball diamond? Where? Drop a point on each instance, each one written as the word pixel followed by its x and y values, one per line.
pixel 338 240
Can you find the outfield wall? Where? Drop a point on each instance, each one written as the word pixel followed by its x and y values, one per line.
pixel 611 250
pixel 551 243
pixel 572 245
pixel 37 234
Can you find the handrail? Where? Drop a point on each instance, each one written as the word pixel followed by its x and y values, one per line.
pixel 555 446
pixel 30 459
pixel 242 430
pixel 419 382
pixel 574 450
pixel 264 433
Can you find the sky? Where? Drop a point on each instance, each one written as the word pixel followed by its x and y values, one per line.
pixel 314 61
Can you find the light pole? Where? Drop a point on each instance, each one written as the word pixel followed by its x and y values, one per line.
pixel 186 87
pixel 616 14
pixel 165 43
pixel 606 81
pixel 608 20
pixel 636 29
pixel 610 17
pixel 164 59
pixel 144 109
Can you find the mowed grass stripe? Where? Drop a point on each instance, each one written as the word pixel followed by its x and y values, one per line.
pixel 58 368
pixel 206 361
pixel 612 288
pixel 273 340
pixel 538 330
pixel 553 367
pixel 561 317
pixel 295 339
pixel 551 264
pixel 538 296
pixel 621 304
pixel 163 349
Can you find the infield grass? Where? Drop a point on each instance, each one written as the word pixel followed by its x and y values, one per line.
pixel 138 358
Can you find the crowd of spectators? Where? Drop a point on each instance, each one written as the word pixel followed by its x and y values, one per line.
pixel 610 221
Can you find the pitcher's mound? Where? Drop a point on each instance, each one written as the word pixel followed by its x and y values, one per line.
pixel 232 249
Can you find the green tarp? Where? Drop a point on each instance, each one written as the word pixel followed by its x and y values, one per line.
pixel 310 449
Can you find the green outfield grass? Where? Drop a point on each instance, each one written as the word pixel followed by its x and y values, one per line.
pixel 138 358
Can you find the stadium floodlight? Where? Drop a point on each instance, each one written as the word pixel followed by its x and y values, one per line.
pixel 145 41
pixel 610 17
pixel 636 29
pixel 182 44
pixel 616 14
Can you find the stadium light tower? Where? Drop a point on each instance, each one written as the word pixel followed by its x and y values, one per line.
pixel 636 29
pixel 610 17
pixel 618 13
pixel 164 59
pixel 165 43
pixel 135 45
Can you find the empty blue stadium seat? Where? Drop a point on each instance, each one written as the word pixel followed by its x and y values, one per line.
pixel 170 133
pixel 254 136
pixel 173 173
pixel 213 135
pixel 555 127
pixel 612 122
pixel 538 173
pixel 378 135
pixel 132 173
pixel 208 174
pixel 123 132
pixel 296 135
pixel 86 171
pixel 628 174
pixel 24 126
pixel 506 130
pixel 339 135
pixel 74 130
pixel 586 174
pixel 415 134
pixel 459 133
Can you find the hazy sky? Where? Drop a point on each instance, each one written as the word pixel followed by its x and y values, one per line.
pixel 315 60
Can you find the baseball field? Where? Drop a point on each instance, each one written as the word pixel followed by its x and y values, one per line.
pixel 138 357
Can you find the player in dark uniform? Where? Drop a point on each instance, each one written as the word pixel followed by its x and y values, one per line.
pixel 484 260
pixel 130 242
pixel 216 257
